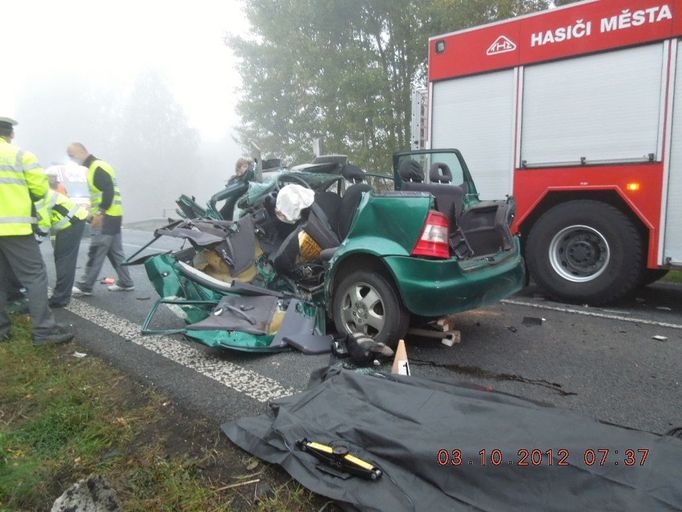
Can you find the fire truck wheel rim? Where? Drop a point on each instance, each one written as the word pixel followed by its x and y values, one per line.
pixel 579 253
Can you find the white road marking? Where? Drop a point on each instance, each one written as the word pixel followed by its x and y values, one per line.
pixel 248 382
pixel 592 313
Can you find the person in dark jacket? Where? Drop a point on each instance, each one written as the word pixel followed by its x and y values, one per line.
pixel 106 221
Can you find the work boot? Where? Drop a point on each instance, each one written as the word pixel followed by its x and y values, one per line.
pixel 78 292
pixel 56 304
pixel 119 288
pixel 60 334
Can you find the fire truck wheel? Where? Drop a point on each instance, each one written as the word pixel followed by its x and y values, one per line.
pixel 585 252
pixel 651 275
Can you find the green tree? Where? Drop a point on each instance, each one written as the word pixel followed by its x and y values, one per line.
pixel 343 70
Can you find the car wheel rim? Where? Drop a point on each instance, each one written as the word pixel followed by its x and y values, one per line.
pixel 362 310
pixel 579 253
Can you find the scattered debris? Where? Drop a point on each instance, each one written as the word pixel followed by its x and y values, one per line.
pixel 443 324
pixel 108 280
pixel 143 298
pixel 253 464
pixel 452 337
pixel 533 320
pixel 512 328
pixel 93 494
pixel 658 337
pixel 450 341
pixel 79 355
pixel 238 484
pixel 663 308
pixel 361 349
pixel 263 492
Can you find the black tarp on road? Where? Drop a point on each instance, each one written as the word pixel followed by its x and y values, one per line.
pixel 401 424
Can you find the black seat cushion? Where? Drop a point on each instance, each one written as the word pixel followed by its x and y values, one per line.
pixel 353 173
pixel 449 198
pixel 330 204
pixel 411 171
pixel 349 204
pixel 440 173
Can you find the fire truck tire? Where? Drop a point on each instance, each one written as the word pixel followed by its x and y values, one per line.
pixel 585 251
pixel 651 275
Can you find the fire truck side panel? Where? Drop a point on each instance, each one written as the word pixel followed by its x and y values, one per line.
pixel 672 252
pixel 476 114
pixel 639 186
pixel 599 108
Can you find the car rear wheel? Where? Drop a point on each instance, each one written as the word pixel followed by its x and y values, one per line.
pixel 367 302
pixel 585 251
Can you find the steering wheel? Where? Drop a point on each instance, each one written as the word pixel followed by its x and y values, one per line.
pixel 283 178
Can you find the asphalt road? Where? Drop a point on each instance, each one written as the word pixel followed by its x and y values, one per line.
pixel 601 362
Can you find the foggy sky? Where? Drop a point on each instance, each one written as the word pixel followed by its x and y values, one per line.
pixel 75 64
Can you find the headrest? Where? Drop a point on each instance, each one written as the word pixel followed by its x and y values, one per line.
pixel 353 173
pixel 440 173
pixel 410 170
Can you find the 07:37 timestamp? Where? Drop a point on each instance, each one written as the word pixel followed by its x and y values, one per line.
pixel 538 457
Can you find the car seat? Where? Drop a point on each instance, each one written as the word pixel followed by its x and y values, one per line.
pixel 449 198
pixel 351 199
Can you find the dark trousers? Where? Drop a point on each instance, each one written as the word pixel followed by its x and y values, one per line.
pixel 102 247
pixel 66 245
pixel 21 255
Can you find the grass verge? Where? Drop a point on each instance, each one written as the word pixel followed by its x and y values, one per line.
pixel 63 418
pixel 674 276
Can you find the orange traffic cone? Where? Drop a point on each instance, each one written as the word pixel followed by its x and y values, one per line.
pixel 401 366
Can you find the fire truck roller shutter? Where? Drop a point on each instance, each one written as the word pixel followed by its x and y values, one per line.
pixel 585 251
pixel 479 108
pixel 603 108
pixel 672 250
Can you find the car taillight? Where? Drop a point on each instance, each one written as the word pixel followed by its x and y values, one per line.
pixel 434 242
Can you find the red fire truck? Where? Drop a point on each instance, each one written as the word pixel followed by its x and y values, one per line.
pixel 577 111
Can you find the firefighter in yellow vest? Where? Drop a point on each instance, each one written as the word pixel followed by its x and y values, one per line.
pixel 107 218
pixel 23 181
pixel 60 216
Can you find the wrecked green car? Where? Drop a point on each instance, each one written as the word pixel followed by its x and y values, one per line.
pixel 358 256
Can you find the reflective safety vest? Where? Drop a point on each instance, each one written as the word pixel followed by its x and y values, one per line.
pixel 116 208
pixel 56 212
pixel 20 178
